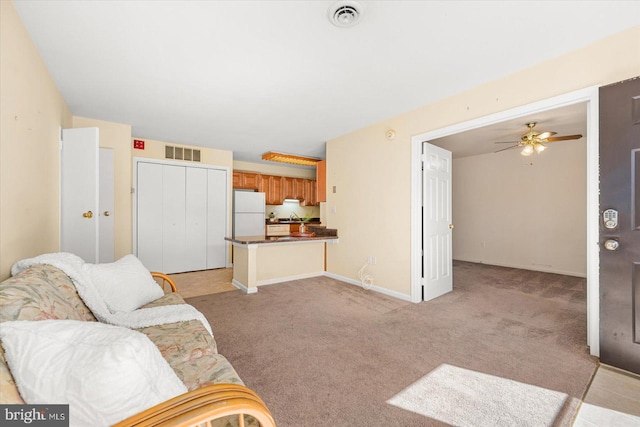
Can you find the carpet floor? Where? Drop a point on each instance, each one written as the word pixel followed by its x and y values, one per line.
pixel 321 352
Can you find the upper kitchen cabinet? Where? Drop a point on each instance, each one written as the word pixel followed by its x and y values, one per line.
pixel 273 189
pixel 248 180
pixel 321 181
pixel 278 188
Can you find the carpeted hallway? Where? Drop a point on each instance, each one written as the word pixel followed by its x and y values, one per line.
pixel 323 352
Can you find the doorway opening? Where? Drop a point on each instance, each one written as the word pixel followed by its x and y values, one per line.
pixel 589 97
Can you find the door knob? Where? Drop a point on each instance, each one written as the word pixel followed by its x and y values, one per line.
pixel 107 213
pixel 450 226
pixel 88 214
pixel 611 245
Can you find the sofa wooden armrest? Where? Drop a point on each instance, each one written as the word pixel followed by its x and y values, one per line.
pixel 202 406
pixel 165 278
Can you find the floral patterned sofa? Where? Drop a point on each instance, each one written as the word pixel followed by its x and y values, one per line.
pixel 44 292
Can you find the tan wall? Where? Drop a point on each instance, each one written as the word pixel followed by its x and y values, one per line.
pixel 523 212
pixel 373 201
pixel 118 137
pixel 32 111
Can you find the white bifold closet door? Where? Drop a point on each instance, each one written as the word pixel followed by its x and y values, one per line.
pixel 181 217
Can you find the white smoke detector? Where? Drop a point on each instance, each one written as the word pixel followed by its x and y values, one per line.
pixel 345 13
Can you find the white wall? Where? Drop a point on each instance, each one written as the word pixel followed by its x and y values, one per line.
pixel 523 212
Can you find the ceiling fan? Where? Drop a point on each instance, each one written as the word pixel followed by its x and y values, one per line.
pixel 534 140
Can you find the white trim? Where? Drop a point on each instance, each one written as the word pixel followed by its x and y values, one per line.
pixel 588 95
pixel 394 294
pixel 134 198
pixel 289 278
pixel 243 288
pixel 541 268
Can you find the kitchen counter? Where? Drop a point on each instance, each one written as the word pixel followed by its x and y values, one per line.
pixel 260 260
pixel 254 240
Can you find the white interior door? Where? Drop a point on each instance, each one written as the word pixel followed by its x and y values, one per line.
pixel 106 211
pixel 195 220
pixel 437 222
pixel 216 218
pixel 149 215
pixel 79 193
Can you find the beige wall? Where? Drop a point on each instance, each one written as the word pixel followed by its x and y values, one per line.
pixel 373 201
pixel 117 136
pixel 32 111
pixel 523 212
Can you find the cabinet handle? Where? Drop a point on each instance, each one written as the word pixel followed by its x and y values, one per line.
pixel 88 214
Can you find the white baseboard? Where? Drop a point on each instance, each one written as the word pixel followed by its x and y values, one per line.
pixel 378 289
pixel 541 268
pixel 243 288
pixel 289 278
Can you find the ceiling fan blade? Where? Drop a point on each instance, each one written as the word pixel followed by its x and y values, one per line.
pixel 508 148
pixel 507 142
pixel 563 138
pixel 545 135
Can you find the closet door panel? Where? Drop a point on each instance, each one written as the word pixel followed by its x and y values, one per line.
pixel 196 219
pixel 216 218
pixel 149 216
pixel 173 224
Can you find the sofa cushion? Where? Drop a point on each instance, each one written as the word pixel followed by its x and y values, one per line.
pixel 105 373
pixel 191 352
pixel 124 285
pixel 41 292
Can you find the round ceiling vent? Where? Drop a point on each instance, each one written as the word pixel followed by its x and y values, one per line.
pixel 345 13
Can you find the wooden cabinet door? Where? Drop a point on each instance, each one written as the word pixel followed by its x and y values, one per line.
pixel 237 179
pixel 252 180
pixel 309 192
pixel 298 188
pixel 273 189
pixel 288 191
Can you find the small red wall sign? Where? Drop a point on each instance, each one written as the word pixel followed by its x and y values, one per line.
pixel 138 144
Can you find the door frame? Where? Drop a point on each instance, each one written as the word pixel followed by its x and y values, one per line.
pixel 588 95
pixel 134 198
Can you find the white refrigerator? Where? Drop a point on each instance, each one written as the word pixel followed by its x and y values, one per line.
pixel 248 213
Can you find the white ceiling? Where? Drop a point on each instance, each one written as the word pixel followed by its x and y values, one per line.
pixel 254 76
pixel 569 120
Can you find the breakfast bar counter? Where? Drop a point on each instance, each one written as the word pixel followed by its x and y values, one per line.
pixel 260 260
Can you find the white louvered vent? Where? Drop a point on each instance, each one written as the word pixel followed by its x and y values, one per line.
pixel 179 153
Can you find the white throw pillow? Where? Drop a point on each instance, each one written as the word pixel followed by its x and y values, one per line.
pixel 124 285
pixel 105 373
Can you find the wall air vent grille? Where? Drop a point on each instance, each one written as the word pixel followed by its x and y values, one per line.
pixel 179 153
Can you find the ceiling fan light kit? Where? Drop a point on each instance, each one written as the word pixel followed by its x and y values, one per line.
pixel 534 141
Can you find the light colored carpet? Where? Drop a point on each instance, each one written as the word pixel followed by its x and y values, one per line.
pixel 321 352
pixel 466 398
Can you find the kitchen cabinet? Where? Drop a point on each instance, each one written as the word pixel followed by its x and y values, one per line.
pixel 277 188
pixel 248 180
pixel 273 189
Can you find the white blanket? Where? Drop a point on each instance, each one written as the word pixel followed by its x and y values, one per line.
pixel 72 266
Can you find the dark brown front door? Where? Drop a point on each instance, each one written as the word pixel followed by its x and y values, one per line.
pixel 620 237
